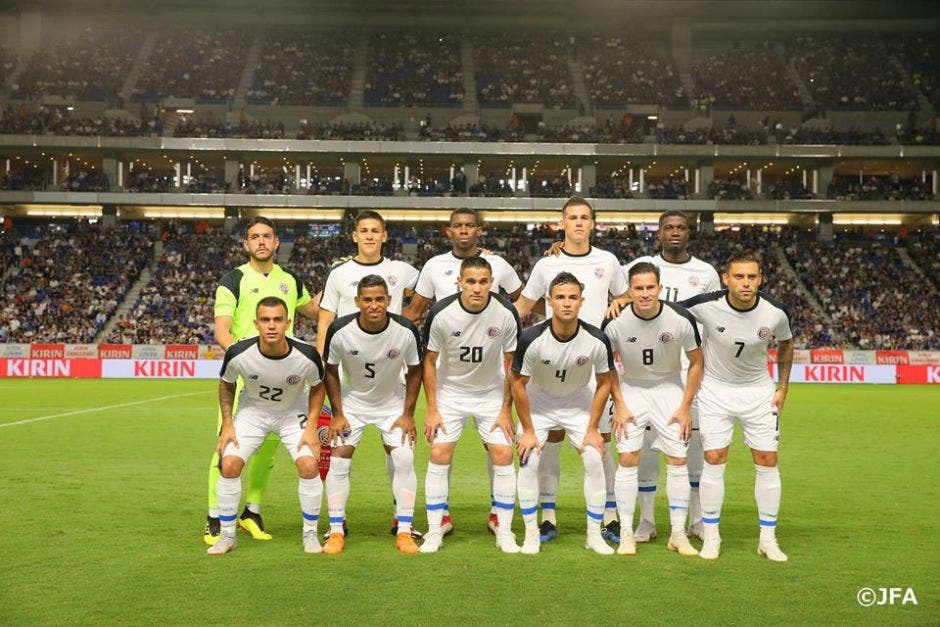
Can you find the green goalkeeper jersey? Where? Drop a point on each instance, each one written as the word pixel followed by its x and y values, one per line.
pixel 239 291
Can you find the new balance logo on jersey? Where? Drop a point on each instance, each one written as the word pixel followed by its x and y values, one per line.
pixel 253 377
pixel 546 361
pixel 448 272
pixel 255 290
pixel 720 329
pixel 631 340
pixel 353 352
pixel 456 333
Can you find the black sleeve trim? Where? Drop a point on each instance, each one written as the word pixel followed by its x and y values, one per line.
pixel 298 282
pixel 235 350
pixel 508 305
pixel 778 304
pixel 685 313
pixel 308 351
pixel 232 282
pixel 703 298
pixel 525 340
pixel 600 335
pixel 408 324
pixel 334 327
pixel 435 309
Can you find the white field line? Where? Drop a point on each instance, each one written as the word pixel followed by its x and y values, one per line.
pixel 96 409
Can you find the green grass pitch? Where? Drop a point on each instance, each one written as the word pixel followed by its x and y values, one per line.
pixel 102 512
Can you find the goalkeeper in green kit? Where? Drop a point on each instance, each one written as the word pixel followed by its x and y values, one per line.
pixel 236 298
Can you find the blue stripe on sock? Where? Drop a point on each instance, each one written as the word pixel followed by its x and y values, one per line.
pixel 528 510
pixel 595 516
pixel 336 519
pixel 675 508
pixel 766 523
pixel 693 484
pixel 224 518
pixel 435 506
pixel 548 506
pixel 610 504
pixel 492 503
pixel 711 521
pixel 406 519
pixel 647 488
pixel 501 505
pixel 310 517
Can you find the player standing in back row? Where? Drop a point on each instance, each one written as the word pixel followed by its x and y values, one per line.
pixel 739 324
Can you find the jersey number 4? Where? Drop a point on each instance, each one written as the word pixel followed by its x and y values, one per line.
pixel 270 394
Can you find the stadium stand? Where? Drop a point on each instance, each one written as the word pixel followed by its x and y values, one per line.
pixel 920 55
pixel 414 69
pixel 305 69
pixel 618 72
pixel 60 121
pixel 351 131
pixel 523 68
pixel 877 188
pixel 213 127
pixel 745 77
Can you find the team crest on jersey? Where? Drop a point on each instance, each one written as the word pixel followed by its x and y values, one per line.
pixel 693 281
pixel 763 333
pixel 294 379
pixel 581 360
pixel 599 272
pixel 665 337
pixel 284 287
pixel 323 434
pixel 392 353
pixel 392 280
pixel 493 332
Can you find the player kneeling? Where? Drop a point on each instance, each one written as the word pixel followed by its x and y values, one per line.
pixel 367 350
pixel 650 337
pixel 551 388
pixel 276 371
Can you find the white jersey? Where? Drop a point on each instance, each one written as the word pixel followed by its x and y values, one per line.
pixel 438 277
pixel 681 281
pixel 339 289
pixel 652 350
pixel 273 386
pixel 471 345
pixel 597 270
pixel 371 362
pixel 735 341
pixel 562 369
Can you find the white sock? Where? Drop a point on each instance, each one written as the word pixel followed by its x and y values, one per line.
pixel 549 472
pixel 404 487
pixel 450 469
pixel 595 494
pixel 767 494
pixel 695 457
pixel 610 479
pixel 528 483
pixel 648 477
pixel 337 491
pixel 310 492
pixel 254 508
pixel 390 471
pixel 436 487
pixel 229 492
pixel 677 491
pixel 626 490
pixel 712 491
pixel 504 495
pixel 489 472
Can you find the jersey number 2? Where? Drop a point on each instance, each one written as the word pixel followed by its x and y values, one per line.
pixel 270 394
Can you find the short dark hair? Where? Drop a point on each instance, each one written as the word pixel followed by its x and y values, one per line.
pixel 565 278
pixel 371 280
pixel 467 211
pixel 673 213
pixel 643 267
pixel 369 214
pixel 261 220
pixel 475 261
pixel 271 301
pixel 577 201
pixel 743 257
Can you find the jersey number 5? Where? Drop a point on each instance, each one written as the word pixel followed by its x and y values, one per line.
pixel 370 370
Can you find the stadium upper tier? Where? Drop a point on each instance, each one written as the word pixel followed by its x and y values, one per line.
pixel 577 71
pixel 853 291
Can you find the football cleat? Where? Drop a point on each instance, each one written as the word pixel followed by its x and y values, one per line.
pixel 405 543
pixel 222 546
pixel 645 532
pixel 711 549
pixel 679 542
pixel 447 525
pixel 311 542
pixel 334 544
pixel 433 541
pixel 547 532
pixel 417 535
pixel 697 531
pixel 506 542
pixel 627 544
pixel 253 524
pixel 596 543
pixel 532 541
pixel 213 530
pixel 492 523
pixel 770 550
pixel 329 532
pixel 611 532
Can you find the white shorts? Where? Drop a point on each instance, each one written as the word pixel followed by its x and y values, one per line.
pixel 653 407
pixel 456 410
pixel 550 414
pixel 383 420
pixel 721 404
pixel 253 426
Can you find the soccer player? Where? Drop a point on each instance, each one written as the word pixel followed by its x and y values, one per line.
pixel 467 338
pixel 236 299
pixel 550 387
pixel 650 337
pixel 438 279
pixel 740 323
pixel 600 273
pixel 371 347
pixel 339 289
pixel 682 276
pixel 282 388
